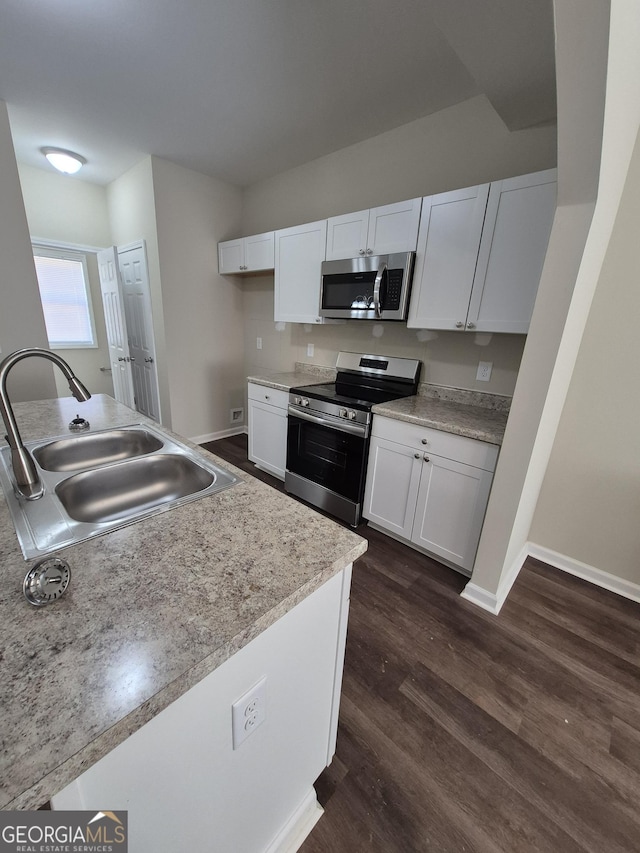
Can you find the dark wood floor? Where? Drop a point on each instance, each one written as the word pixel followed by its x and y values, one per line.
pixel 461 731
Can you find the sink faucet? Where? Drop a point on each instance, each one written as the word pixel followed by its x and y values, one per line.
pixel 24 468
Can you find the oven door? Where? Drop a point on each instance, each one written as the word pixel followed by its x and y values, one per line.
pixel 328 451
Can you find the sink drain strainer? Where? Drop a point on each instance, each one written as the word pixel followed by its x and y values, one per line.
pixel 46 581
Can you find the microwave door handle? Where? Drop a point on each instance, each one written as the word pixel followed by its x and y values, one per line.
pixel 376 289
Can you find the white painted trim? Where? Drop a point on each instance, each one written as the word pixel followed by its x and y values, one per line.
pixel 493 601
pixel 62 244
pixel 214 436
pixel 623 587
pixel 293 834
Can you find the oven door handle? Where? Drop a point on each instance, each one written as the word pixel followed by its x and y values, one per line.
pixel 352 429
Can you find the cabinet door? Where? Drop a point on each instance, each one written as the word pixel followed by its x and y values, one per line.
pixel 347 235
pixel 514 245
pixel 450 509
pixel 394 227
pixel 268 437
pixel 448 245
pixel 393 477
pixel 231 256
pixel 259 252
pixel 299 255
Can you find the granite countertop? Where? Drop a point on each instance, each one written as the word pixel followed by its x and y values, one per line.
pixel 479 422
pixel 150 611
pixel 304 374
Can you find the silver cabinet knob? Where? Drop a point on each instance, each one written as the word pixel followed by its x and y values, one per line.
pixel 426 458
pixel 361 252
pixel 267 397
pixel 425 441
pixel 369 251
pixel 121 358
pixel 416 456
pixel 459 324
pixel 131 358
pixel 148 360
pixel 471 325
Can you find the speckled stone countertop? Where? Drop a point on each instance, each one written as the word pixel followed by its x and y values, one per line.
pixel 150 611
pixel 477 422
pixel 304 374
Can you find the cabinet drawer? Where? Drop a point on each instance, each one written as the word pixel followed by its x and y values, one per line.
pixel 272 396
pixel 480 454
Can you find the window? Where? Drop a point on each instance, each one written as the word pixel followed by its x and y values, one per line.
pixel 64 291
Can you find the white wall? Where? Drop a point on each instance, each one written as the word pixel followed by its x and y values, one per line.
pixel 202 310
pixel 132 217
pixel 589 505
pixel 68 210
pixel 583 34
pixel 21 318
pixel 460 146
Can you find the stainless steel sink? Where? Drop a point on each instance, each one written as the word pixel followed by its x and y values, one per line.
pixel 92 449
pixel 98 482
pixel 124 490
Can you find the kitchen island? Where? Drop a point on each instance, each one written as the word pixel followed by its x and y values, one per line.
pixel 153 610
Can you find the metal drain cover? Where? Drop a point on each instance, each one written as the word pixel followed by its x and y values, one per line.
pixel 46 581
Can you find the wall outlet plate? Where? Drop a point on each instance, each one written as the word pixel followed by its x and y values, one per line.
pixel 248 712
pixel 484 370
pixel 236 416
pixel 310 350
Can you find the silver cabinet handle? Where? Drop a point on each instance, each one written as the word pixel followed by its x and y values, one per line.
pixel 361 251
pixel 369 251
pixel 416 456
pixel 425 441
pixel 471 325
pixel 121 358
pixel 131 358
pixel 459 324
pixel 426 458
pixel 148 360
pixel 267 397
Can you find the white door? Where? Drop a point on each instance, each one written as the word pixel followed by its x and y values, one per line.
pixel 299 254
pixel 268 437
pixel 137 305
pixel 516 232
pixel 116 326
pixel 394 227
pixel 448 246
pixel 450 510
pixel 393 479
pixel 231 256
pixel 347 235
pixel 259 251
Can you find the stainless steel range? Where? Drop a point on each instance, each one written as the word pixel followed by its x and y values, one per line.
pixel 329 427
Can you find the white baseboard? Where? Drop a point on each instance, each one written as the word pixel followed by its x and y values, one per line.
pixel 214 436
pixel 623 587
pixel 493 601
pixel 297 828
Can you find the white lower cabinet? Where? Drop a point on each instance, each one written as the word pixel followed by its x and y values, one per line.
pixel 268 428
pixel 429 488
pixel 180 778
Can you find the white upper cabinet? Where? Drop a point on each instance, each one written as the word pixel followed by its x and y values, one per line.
pixel 514 243
pixel 448 246
pixel 480 255
pixel 299 252
pixel 246 254
pixel 379 231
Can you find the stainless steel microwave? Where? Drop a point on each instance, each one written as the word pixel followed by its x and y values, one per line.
pixel 376 287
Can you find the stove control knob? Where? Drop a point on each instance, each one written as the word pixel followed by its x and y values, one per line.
pixel 304 402
pixel 296 401
pixel 342 413
pixel 351 415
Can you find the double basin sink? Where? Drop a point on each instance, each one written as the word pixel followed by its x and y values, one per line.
pixel 97 482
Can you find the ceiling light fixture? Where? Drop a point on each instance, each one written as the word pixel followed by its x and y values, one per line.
pixel 64 161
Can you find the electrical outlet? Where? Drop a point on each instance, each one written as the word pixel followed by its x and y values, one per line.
pixel 310 350
pixel 248 712
pixel 484 370
pixel 258 343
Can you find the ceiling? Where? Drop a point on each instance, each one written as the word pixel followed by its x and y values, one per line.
pixel 244 89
